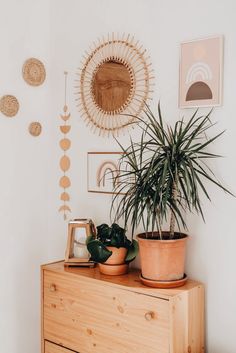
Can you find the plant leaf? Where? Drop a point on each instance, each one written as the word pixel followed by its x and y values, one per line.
pixel 99 252
pixel 132 251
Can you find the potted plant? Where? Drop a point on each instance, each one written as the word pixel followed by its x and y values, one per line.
pixel 166 172
pixel 112 249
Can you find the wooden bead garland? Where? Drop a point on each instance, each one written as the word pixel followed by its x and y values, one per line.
pixel 64 163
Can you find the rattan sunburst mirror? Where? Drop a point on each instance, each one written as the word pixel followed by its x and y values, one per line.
pixel 115 81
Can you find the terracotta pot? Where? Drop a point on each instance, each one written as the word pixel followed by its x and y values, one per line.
pixel 115 264
pixel 118 256
pixel 113 270
pixel 162 260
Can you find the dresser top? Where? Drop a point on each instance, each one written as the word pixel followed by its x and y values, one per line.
pixel 129 281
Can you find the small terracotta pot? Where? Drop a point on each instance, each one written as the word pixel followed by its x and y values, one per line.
pixel 162 260
pixel 113 270
pixel 115 264
pixel 118 256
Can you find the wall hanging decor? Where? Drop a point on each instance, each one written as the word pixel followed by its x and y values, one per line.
pixel 114 83
pixel 34 72
pixel 35 128
pixel 200 82
pixel 9 105
pixel 65 144
pixel 103 171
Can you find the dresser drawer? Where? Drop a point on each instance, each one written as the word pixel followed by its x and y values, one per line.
pixel 89 316
pixel 50 347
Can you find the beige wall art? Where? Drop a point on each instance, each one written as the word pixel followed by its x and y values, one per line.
pixel 9 105
pixel 200 82
pixel 103 171
pixel 65 145
pixel 35 128
pixel 34 72
pixel 115 81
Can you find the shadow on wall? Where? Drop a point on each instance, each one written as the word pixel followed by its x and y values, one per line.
pixel 27 294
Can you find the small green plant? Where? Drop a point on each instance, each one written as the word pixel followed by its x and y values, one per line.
pixel 113 236
pixel 166 171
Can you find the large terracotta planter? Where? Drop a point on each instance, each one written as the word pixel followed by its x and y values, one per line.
pixel 162 260
pixel 115 264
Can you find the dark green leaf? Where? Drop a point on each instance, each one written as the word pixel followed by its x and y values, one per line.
pixel 98 251
pixel 132 251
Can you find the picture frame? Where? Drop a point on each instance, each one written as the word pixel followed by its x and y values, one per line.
pixel 102 171
pixel 76 251
pixel 201 72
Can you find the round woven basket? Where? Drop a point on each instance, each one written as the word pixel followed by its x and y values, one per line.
pixel 9 105
pixel 34 72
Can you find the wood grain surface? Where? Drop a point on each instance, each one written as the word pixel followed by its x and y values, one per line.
pixel 86 312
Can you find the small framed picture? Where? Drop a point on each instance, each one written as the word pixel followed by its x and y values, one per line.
pixel 200 76
pixel 103 171
pixel 76 250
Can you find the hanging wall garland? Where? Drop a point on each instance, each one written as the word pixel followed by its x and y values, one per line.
pixel 65 144
pixel 115 82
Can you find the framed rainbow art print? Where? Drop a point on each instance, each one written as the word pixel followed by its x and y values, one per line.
pixel 200 76
pixel 103 171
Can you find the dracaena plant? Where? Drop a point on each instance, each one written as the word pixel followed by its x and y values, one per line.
pixel 165 173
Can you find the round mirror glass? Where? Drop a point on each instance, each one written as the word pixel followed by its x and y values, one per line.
pixel 111 86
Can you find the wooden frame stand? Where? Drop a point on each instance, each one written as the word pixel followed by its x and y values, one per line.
pixel 70 258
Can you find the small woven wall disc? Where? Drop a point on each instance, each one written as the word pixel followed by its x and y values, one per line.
pixel 35 128
pixel 34 72
pixel 9 105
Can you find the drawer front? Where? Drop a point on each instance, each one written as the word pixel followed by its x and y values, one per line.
pixel 88 316
pixel 54 348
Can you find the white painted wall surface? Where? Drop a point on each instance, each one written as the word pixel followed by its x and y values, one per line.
pixel 25 236
pixel 31 230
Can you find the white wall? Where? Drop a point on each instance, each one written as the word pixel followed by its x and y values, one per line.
pixel 32 231
pixel 161 26
pixel 25 238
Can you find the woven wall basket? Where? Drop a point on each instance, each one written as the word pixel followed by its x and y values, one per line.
pixel 9 105
pixel 34 72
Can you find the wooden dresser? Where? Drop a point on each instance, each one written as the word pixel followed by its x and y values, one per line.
pixel 86 312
